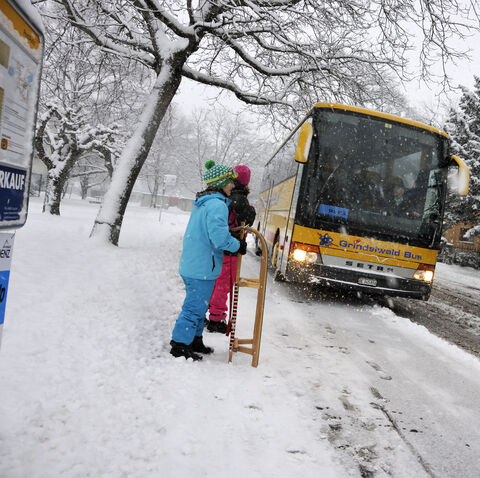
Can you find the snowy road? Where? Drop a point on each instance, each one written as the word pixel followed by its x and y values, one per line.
pixel 343 388
pixel 453 311
pixel 394 386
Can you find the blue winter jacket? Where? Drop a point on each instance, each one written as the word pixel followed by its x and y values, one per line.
pixel 206 237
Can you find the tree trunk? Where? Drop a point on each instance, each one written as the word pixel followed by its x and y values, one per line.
pixel 47 192
pixel 54 196
pixel 153 199
pixel 110 216
pixel 54 191
pixel 84 186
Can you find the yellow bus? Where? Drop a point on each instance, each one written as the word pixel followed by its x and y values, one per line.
pixel 355 199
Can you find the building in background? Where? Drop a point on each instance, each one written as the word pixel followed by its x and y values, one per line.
pixel 460 249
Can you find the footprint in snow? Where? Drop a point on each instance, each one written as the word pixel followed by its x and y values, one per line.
pixel 330 329
pixel 379 369
pixel 350 407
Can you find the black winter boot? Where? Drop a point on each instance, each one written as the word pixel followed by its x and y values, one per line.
pixel 182 350
pixel 217 326
pixel 200 347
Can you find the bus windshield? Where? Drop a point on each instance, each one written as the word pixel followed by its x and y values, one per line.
pixel 372 175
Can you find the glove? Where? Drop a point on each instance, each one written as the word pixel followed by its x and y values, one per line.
pixel 243 247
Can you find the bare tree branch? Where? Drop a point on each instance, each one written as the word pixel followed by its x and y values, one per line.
pixel 227 85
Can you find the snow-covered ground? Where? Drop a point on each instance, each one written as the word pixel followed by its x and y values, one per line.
pixel 88 388
pixel 457 276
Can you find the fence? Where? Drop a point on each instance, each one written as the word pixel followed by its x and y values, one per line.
pixel 461 256
pixel 184 204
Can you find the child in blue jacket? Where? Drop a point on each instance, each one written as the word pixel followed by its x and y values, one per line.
pixel 205 239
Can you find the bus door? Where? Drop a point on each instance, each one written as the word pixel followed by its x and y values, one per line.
pixel 286 240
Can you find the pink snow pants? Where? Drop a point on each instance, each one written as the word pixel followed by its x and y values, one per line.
pixel 218 303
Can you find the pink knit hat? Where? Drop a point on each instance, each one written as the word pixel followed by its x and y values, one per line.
pixel 243 174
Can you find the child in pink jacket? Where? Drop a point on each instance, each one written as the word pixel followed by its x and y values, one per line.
pixel 240 211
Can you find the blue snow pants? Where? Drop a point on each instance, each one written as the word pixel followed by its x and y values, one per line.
pixel 191 320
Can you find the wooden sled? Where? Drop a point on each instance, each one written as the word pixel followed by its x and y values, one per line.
pixel 249 346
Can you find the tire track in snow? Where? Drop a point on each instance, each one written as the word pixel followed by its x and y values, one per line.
pixel 398 429
pixel 360 433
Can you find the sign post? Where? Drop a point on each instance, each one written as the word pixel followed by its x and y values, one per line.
pixel 168 180
pixel 21 52
pixel 6 244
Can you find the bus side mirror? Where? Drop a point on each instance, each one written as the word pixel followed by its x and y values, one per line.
pixel 304 143
pixel 463 177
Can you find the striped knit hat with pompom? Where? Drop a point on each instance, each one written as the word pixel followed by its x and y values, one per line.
pixel 217 175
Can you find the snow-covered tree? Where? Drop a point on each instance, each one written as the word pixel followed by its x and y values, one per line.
pixel 61 139
pixel 159 162
pixel 91 171
pixel 183 145
pixel 288 53
pixel 463 127
pixel 77 94
pixel 226 137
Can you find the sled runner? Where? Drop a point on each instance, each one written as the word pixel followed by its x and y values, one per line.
pixel 249 346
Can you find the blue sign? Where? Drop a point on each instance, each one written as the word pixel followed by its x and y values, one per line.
pixel 6 250
pixel 12 192
pixel 4 277
pixel 332 211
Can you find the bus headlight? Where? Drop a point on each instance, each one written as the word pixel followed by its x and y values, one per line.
pixel 424 273
pixel 304 252
pixel 301 255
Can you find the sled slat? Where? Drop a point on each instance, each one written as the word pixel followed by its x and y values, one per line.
pixel 245 350
pixel 245 282
pixel 244 341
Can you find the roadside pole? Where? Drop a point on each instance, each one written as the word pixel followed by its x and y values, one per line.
pixel 6 244
pixel 168 180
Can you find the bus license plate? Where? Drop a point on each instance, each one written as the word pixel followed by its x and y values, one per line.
pixel 367 281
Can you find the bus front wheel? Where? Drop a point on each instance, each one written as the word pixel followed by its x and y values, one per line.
pixel 278 276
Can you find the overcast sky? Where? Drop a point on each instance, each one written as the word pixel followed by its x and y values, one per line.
pixel 461 74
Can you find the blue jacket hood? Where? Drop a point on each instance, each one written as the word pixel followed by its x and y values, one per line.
pixel 207 195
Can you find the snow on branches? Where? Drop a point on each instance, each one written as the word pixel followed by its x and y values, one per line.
pixel 463 127
pixel 62 137
pixel 284 54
